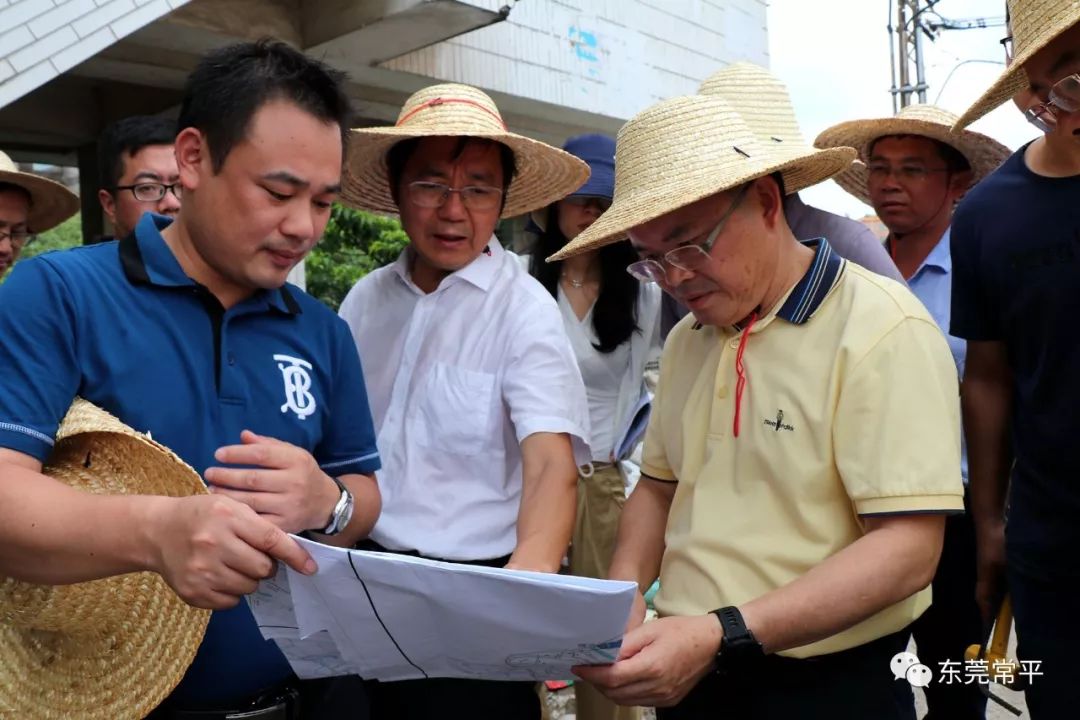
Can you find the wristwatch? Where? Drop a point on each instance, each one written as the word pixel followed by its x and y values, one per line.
pixel 738 648
pixel 343 511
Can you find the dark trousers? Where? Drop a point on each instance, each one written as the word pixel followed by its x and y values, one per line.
pixel 1048 631
pixel 951 624
pixel 854 684
pixel 320 699
pixel 449 698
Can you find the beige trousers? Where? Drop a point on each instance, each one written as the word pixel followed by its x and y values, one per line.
pixel 600 501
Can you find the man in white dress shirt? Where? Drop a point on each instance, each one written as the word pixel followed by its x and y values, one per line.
pixel 478 403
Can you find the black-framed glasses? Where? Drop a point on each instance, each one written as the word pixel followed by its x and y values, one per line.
pixel 19 238
pixel 880 172
pixel 1064 96
pixel 1007 45
pixel 151 191
pixel 688 257
pixel 475 197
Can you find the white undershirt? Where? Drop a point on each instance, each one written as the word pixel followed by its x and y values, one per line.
pixel 603 375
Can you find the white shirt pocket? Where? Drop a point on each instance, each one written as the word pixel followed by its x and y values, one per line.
pixel 454 410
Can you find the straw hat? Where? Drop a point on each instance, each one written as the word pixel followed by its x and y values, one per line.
pixel 112 648
pixel 688 148
pixel 50 202
pixel 544 174
pixel 1035 24
pixel 983 153
pixel 764 103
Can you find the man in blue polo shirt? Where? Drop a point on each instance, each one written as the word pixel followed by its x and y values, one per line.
pixel 1016 264
pixel 188 331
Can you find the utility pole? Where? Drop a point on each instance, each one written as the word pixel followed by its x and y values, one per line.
pixel 906 48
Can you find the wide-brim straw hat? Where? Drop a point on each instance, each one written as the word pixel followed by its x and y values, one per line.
pixel 764 103
pixel 685 149
pixel 544 173
pixel 983 153
pixel 105 649
pixel 1035 24
pixel 50 202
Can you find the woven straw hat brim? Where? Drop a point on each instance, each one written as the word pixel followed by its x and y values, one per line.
pixel 982 152
pixel 684 149
pixel 111 648
pixel 544 173
pixel 51 203
pixel 1035 24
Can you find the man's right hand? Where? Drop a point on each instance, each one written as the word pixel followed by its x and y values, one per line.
pixel 990 584
pixel 213 550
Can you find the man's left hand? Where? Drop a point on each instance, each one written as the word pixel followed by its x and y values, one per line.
pixel 282 482
pixel 659 662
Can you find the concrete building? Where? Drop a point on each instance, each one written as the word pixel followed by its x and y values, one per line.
pixel 555 67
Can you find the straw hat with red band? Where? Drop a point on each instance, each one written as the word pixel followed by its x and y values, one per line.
pixel 983 153
pixel 1035 24
pixel 544 174
pixel 50 202
pixel 107 649
pixel 685 149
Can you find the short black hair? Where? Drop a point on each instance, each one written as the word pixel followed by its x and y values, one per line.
pixel 955 162
pixel 230 84
pixel 127 137
pixel 399 153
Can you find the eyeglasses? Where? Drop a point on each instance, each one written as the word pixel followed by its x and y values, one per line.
pixel 880 172
pixel 152 192
pixel 1064 97
pixel 475 197
pixel 688 257
pixel 19 238
pixel 1007 44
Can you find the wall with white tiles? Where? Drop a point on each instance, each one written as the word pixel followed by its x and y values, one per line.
pixel 610 57
pixel 43 38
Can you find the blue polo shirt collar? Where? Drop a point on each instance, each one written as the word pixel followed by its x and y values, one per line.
pixel 147 260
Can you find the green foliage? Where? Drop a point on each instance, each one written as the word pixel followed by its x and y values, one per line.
pixel 354 244
pixel 66 235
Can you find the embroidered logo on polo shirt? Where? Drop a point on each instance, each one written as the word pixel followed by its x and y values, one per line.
pixel 778 424
pixel 298 397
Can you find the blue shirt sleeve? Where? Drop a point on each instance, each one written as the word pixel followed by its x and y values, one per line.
pixel 348 446
pixel 39 368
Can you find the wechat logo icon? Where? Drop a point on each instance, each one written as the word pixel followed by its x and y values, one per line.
pixel 906 666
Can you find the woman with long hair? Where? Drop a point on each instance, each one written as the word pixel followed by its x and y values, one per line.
pixel 612 321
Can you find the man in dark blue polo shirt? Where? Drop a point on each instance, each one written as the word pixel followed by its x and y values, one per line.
pixel 188 331
pixel 1016 266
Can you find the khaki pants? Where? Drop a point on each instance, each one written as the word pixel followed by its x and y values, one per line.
pixel 600 501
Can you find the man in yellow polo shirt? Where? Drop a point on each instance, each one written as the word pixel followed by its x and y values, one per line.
pixel 804 446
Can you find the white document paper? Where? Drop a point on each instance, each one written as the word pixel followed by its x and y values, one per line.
pixel 394 617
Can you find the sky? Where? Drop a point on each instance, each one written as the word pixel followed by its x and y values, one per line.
pixel 834 57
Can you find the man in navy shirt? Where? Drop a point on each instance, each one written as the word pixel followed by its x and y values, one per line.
pixel 187 330
pixel 1016 269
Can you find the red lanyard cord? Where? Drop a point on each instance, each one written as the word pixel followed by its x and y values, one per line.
pixel 740 370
